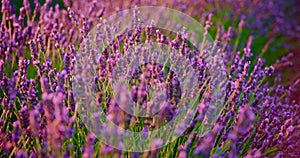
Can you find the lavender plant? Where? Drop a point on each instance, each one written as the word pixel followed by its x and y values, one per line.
pixel 39 114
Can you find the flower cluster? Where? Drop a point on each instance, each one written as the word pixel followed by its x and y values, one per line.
pixel 38 49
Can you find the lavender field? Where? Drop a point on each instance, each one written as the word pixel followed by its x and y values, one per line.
pixel 142 78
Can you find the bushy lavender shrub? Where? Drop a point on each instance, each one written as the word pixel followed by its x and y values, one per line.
pixel 39 116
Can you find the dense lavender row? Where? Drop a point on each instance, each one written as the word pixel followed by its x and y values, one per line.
pixel 39 116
